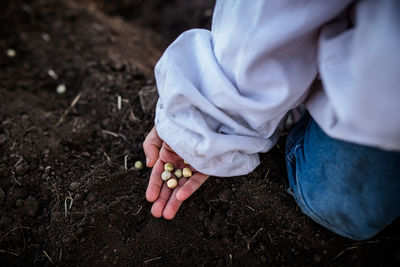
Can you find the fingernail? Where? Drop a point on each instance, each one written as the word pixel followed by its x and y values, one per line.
pixel 147 161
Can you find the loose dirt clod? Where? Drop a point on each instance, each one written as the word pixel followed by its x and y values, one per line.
pixel 19 203
pixel 73 186
pixel 31 206
pixel 90 197
pixel 172 183
pixel 187 172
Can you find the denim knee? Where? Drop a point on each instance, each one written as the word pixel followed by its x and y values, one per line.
pixel 349 189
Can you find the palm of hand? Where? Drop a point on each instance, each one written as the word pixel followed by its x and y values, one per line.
pixel 166 202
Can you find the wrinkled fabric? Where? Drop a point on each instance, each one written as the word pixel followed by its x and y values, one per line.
pixel 350 189
pixel 225 93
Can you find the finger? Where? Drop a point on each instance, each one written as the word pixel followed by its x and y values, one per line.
pixel 155 182
pixel 191 186
pixel 151 147
pixel 159 205
pixel 173 204
pixel 168 155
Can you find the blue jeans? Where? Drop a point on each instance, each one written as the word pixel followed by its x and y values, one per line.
pixel 350 189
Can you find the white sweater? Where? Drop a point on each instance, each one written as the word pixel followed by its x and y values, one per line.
pixel 225 93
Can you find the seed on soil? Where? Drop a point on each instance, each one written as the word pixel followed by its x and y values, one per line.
pixel 172 183
pixel 178 173
pixel 169 166
pixel 61 89
pixel 187 172
pixel 52 74
pixel 11 53
pixel 73 186
pixel 166 175
pixel 138 165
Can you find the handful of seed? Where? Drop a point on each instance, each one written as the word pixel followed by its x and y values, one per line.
pixel 167 174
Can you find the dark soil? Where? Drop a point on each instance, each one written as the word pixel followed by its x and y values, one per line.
pixel 59 147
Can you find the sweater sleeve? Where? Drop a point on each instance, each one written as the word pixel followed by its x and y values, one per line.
pixel 224 93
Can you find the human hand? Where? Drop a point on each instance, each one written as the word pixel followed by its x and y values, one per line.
pixel 166 202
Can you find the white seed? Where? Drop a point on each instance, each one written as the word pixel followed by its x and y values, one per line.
pixel 61 89
pixel 52 74
pixel 187 172
pixel 172 183
pixel 166 175
pixel 138 165
pixel 178 173
pixel 187 163
pixel 168 167
pixel 45 37
pixel 11 53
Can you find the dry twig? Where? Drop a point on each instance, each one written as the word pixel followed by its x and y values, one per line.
pixel 47 255
pixel 67 111
pixel 126 162
pixel 254 236
pixel 9 252
pixel 150 260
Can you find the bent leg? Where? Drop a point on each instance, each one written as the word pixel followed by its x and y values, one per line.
pixel 350 189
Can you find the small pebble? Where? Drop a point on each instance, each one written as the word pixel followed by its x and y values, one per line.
pixel 61 89
pixel 73 186
pixel 52 74
pixel 138 165
pixel 11 53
